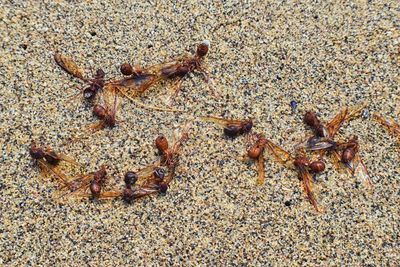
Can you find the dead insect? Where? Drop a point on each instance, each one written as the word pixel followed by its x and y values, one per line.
pixel 147 181
pixel 347 153
pixel 89 184
pixel 95 84
pixel 301 164
pixel 142 79
pixel 256 152
pixel 48 160
pixel 303 167
pixel 106 111
pixel 170 155
pixel 126 69
pixel 232 128
pixel 324 134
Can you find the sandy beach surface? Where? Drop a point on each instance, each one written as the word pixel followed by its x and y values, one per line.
pixel 323 54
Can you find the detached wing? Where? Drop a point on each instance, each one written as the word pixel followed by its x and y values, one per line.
pixel 68 65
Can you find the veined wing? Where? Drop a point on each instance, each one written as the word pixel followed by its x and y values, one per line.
pixel 222 121
pixel 306 180
pixel 60 176
pixel 281 155
pixel 103 195
pixel 355 111
pixel 334 125
pixel 391 126
pixel 360 171
pixel 135 85
pixel 316 143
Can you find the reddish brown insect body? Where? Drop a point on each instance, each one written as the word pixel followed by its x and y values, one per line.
pixel 181 69
pixel 255 152
pixel 350 149
pixel 317 166
pixel 95 85
pixel 311 119
pixel 161 144
pixel 348 155
pixel 233 130
pixel 141 79
pixel 48 154
pixel 301 162
pixel 99 179
pixel 126 69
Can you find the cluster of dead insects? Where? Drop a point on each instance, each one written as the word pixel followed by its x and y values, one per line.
pixel 322 141
pixel 103 94
pixel 152 179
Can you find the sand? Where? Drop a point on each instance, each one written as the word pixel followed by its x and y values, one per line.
pixel 324 55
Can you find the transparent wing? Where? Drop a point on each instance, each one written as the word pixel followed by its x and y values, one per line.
pixel 68 159
pixel 51 169
pixel 355 112
pixel 136 85
pixel 279 153
pixel 360 171
pixel 314 144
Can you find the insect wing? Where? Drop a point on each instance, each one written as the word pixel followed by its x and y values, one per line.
pixel 136 85
pixel 391 126
pixel 306 180
pixel 334 125
pixel 69 160
pixel 279 153
pixel 314 144
pixel 68 65
pixel 48 168
pixel 261 170
pixel 222 121
pixel 110 194
pixel 355 111
pixel 360 171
